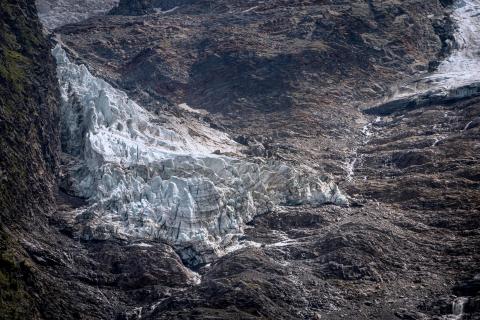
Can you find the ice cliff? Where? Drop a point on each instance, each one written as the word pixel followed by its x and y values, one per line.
pixel 148 176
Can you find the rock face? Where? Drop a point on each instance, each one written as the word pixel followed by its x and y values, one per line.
pixel 29 114
pixel 227 62
pixel 29 142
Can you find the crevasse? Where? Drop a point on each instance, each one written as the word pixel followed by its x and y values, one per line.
pixel 151 177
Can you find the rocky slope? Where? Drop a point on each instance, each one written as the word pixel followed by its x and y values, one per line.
pixel 304 84
pixel 301 66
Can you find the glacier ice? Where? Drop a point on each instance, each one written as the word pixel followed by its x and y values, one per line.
pixel 158 178
pixel 461 68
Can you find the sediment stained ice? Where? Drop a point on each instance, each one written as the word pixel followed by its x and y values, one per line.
pixel 56 13
pixel 147 176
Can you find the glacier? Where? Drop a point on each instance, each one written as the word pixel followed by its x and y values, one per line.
pixel 461 69
pixel 155 176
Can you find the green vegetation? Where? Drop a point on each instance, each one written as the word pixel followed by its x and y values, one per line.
pixel 15 303
pixel 13 69
pixel 19 42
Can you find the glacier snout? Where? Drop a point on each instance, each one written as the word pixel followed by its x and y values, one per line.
pixel 154 179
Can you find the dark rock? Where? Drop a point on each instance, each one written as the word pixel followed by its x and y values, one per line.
pixel 29 147
pixel 133 8
pixel 143 7
pixel 468 288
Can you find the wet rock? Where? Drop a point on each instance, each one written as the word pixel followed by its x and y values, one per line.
pixel 468 288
